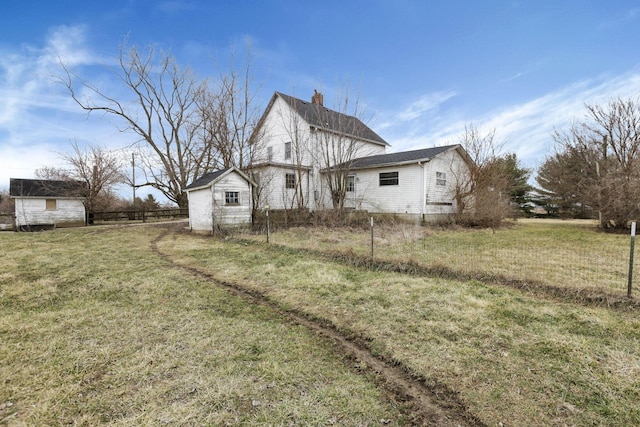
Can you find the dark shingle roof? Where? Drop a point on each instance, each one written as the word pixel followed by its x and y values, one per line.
pixel 321 117
pixel 399 158
pixel 205 179
pixel 19 187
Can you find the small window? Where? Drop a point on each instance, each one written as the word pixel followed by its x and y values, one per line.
pixel 287 150
pixel 269 154
pixel 441 178
pixel 231 198
pixel 51 205
pixel 388 178
pixel 290 180
pixel 351 183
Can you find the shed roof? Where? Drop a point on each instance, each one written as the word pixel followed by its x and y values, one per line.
pixel 19 187
pixel 210 178
pixel 324 118
pixel 403 157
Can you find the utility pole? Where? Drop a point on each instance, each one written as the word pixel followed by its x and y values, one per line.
pixel 133 167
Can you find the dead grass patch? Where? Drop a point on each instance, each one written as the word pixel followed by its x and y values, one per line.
pixel 95 329
pixel 513 357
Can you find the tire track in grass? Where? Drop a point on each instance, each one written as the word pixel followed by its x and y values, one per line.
pixel 428 404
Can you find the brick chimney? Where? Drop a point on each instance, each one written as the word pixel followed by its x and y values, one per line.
pixel 317 98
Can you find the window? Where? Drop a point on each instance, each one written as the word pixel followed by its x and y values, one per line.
pixel 51 205
pixel 287 150
pixel 441 178
pixel 388 178
pixel 231 198
pixel 290 180
pixel 351 183
pixel 269 154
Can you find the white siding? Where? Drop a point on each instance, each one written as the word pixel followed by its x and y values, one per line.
pixel 232 214
pixel 417 193
pixel 200 209
pixel 207 205
pixel 404 198
pixel 32 211
pixel 438 196
pixel 274 191
pixel 282 124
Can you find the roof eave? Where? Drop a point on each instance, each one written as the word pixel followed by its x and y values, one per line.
pixel 348 135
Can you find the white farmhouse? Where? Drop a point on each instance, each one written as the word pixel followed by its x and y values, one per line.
pixel 221 198
pixel 42 204
pixel 295 140
pixel 301 147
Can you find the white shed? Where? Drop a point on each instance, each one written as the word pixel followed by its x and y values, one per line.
pixel 221 198
pixel 41 203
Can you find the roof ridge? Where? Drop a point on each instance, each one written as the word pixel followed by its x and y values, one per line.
pixel 322 117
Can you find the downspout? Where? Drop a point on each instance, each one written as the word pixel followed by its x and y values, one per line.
pixel 424 189
pixel 213 207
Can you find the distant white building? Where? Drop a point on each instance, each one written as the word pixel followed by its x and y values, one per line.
pixel 221 198
pixel 41 204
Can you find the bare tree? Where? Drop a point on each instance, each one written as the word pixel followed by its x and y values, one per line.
pixel 482 191
pixel 607 146
pixel 298 153
pixel 340 142
pixel 230 115
pixel 6 202
pixel 96 168
pixel 165 113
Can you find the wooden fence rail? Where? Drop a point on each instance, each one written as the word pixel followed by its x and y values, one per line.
pixel 138 215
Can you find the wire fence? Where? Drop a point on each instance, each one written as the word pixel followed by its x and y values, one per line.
pixel 564 254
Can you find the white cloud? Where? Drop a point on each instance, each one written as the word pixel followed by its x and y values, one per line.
pixel 38 118
pixel 525 128
pixel 425 104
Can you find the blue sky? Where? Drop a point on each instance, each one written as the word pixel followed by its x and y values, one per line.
pixel 421 69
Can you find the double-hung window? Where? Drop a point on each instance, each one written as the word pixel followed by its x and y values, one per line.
pixel 231 198
pixel 441 178
pixel 351 183
pixel 290 180
pixel 388 178
pixel 287 150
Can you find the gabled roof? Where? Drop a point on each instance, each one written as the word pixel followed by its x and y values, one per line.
pixel 209 179
pixel 321 117
pixel 404 157
pixel 19 187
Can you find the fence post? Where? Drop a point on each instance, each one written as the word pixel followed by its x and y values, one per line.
pixel 266 208
pixel 371 237
pixel 633 238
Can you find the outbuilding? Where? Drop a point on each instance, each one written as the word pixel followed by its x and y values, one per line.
pixel 222 198
pixel 44 204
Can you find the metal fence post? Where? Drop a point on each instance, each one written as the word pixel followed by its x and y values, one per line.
pixel 633 238
pixel 266 208
pixel 371 237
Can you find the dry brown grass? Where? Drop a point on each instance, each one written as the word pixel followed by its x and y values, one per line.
pixel 572 255
pixel 513 358
pixel 96 329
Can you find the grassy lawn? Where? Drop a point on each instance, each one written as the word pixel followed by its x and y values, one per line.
pixel 513 358
pixel 95 329
pixel 569 254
